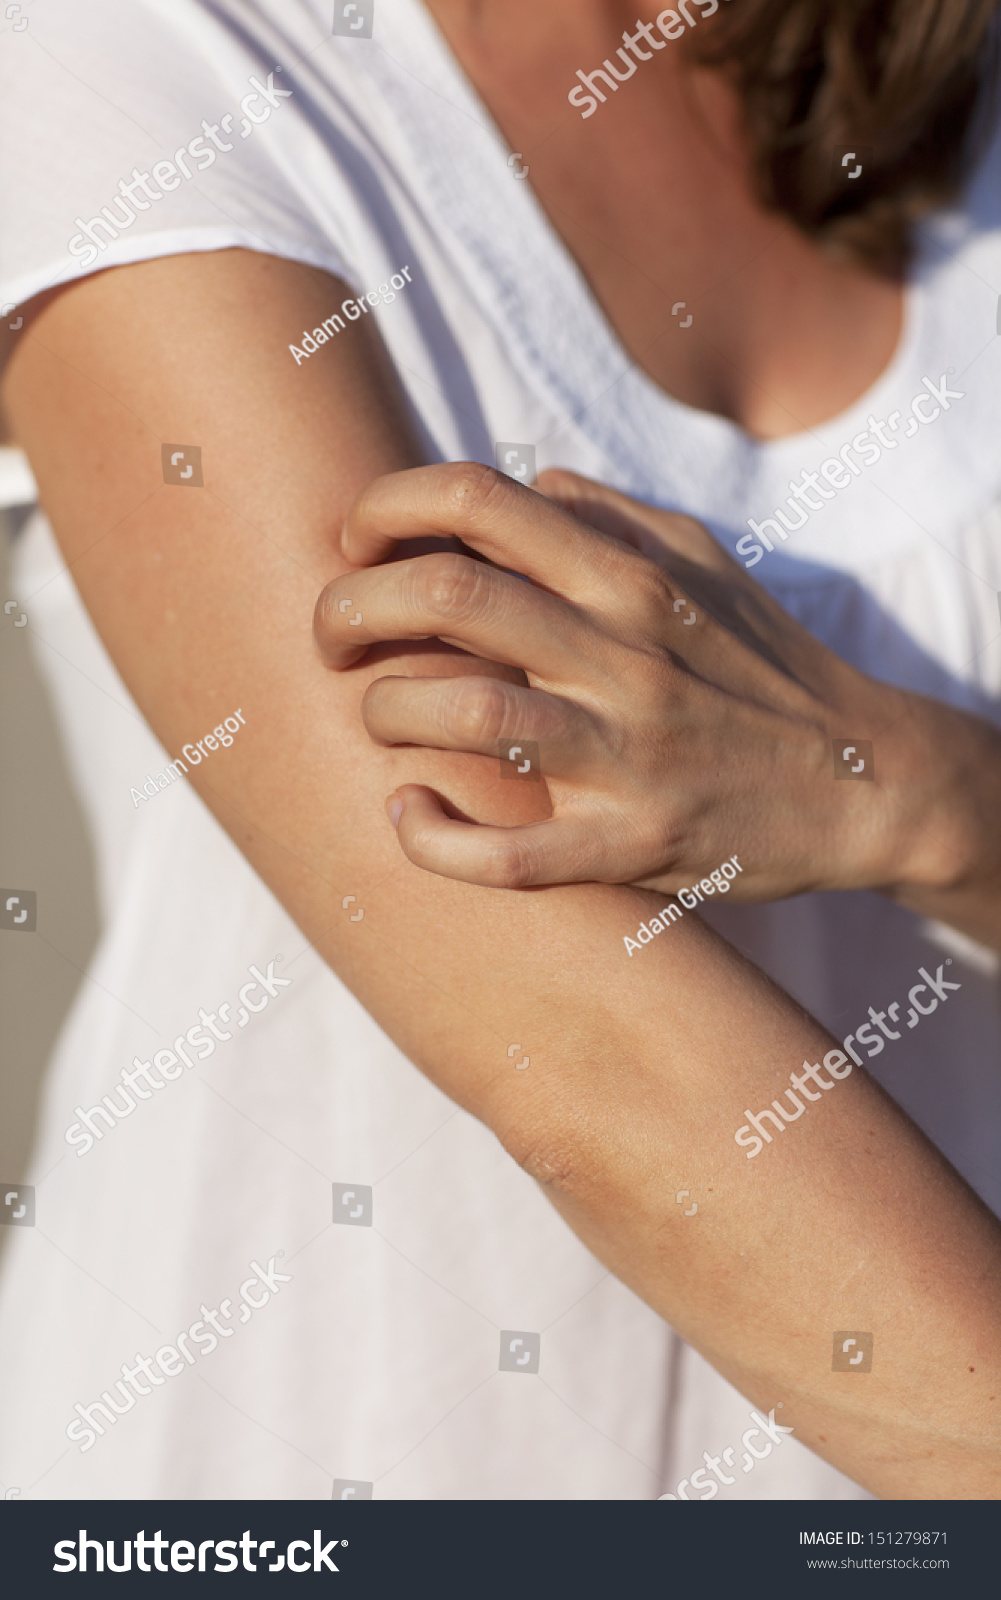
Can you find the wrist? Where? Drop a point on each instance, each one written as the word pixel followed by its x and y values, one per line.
pixel 941 782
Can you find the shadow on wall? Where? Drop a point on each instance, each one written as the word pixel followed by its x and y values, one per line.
pixel 44 846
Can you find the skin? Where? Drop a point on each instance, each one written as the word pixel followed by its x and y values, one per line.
pixel 640 1072
pixel 679 711
pixel 652 198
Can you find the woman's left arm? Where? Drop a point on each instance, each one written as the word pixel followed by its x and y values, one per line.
pixel 680 715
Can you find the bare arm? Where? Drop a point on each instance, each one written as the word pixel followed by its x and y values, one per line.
pixel 640 1072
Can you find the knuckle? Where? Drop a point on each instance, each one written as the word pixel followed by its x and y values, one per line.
pixel 449 586
pixel 469 489
pixel 508 865
pixel 653 677
pixel 477 712
pixel 652 593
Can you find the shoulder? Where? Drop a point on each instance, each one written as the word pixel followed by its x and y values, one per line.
pixel 145 128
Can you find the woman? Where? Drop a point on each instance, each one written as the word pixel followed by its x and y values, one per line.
pixel 208 273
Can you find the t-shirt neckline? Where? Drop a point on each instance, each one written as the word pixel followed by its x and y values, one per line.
pixel 527 212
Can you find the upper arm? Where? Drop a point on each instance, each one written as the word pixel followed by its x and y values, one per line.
pixel 204 599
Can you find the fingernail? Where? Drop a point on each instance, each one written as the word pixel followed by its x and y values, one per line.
pixel 394 809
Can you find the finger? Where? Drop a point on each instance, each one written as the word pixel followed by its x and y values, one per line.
pixel 700 570
pixel 716 586
pixel 561 850
pixel 511 525
pixel 465 603
pixel 721 623
pixel 484 716
pixel 647 528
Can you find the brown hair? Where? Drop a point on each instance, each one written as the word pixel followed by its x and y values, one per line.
pixel 899 81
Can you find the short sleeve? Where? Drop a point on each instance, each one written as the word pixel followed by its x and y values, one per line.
pixel 143 128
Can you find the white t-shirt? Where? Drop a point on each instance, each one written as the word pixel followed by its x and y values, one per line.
pixel 376 1361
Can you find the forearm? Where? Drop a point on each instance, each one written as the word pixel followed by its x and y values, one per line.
pixel 641 1071
pixel 847 1220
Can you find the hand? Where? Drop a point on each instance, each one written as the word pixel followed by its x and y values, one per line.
pixel 681 715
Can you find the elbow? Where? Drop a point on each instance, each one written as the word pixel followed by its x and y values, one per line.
pixel 560 1149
